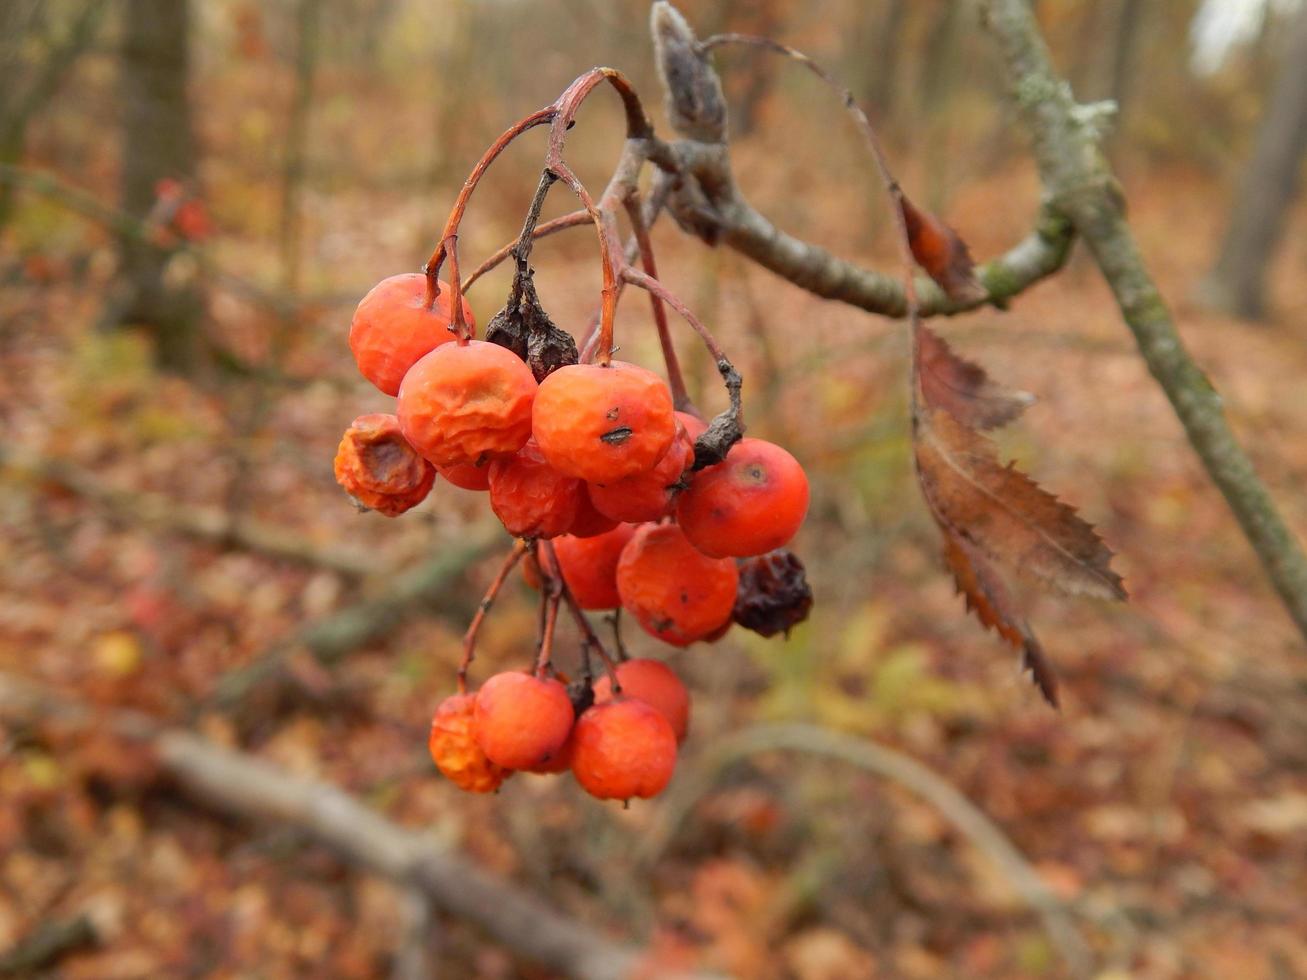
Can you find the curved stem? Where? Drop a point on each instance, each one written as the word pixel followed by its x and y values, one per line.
pixel 470 637
pixel 588 634
pixel 570 220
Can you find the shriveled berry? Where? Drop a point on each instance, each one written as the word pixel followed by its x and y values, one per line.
pixel 393 327
pixel 522 720
pixel 647 496
pixel 654 683
pixel 464 402
pixel 603 423
pixel 622 749
pixel 750 503
pixel 589 566
pixel 378 468
pixel 455 750
pixel 674 591
pixel 469 476
pixel 530 497
pixel 774 594
pixel 590 521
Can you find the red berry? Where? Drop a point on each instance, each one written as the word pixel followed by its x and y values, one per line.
pixel 694 426
pixel 530 497
pixel 469 476
pixel 392 328
pixel 623 749
pixel 522 720
pixel 590 521
pixel 603 423
pixel 647 496
pixel 654 683
pixel 464 402
pixel 589 566
pixel 675 592
pixel 750 503
pixel 455 750
pixel 379 469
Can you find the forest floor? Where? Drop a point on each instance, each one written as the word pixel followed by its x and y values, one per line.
pixel 1166 802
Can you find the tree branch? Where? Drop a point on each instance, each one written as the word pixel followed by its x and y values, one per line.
pixel 249 788
pixel 1082 187
pixel 706 202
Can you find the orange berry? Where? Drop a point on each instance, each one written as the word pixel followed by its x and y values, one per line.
pixel 522 720
pixel 392 328
pixel 647 496
pixel 654 683
pixel 675 592
pixel 623 749
pixel 589 566
pixel 530 497
pixel 379 469
pixel 455 750
pixel 590 521
pixel 469 476
pixel 463 402
pixel 603 423
pixel 750 503
pixel 560 761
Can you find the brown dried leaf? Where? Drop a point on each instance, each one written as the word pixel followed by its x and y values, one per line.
pixel 962 388
pixel 1004 514
pixel 988 598
pixel 943 254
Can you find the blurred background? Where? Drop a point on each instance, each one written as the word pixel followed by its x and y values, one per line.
pixel 194 196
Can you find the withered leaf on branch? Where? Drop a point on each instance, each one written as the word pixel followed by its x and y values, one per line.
pixel 962 388
pixel 943 254
pixel 988 598
pixel 1004 514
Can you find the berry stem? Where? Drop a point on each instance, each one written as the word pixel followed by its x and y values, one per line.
pixel 615 621
pixel 432 268
pixel 470 637
pixel 675 380
pixel 589 637
pixel 570 220
pixel 552 597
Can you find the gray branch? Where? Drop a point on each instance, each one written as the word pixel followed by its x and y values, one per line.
pixel 1081 186
pixel 706 202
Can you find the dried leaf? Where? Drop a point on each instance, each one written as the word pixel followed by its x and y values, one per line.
pixel 943 254
pixel 1004 514
pixel 988 598
pixel 962 388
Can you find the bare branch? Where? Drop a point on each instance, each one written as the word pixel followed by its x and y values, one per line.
pixel 1082 187
pixel 249 788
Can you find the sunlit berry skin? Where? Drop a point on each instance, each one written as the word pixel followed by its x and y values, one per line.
pixel 602 424
pixel 647 496
pixel 521 721
pixel 623 749
pixel 454 748
pixel 590 521
pixel 589 566
pixel 378 468
pixel 530 497
pixel 392 328
pixel 750 503
pixel 654 683
pixel 468 476
pixel 465 402
pixel 675 592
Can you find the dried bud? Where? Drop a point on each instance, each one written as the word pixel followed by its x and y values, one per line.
pixel 379 469
pixel 774 594
pixel 582 695
pixel 693 91
pixel 524 327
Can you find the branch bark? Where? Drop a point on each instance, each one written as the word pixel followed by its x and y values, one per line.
pixel 1082 187
pixel 242 786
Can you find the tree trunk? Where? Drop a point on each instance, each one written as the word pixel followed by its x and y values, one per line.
pixel 1267 189
pixel 158 144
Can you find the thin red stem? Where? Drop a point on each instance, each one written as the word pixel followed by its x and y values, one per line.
pixel 655 286
pixel 470 637
pixel 570 220
pixel 589 637
pixel 675 380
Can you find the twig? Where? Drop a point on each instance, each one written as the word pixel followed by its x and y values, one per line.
pixel 570 220
pixel 1083 188
pixel 249 788
pixel 474 627
pixel 862 753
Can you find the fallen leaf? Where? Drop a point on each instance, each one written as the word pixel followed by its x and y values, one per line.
pixel 962 388
pixel 943 254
